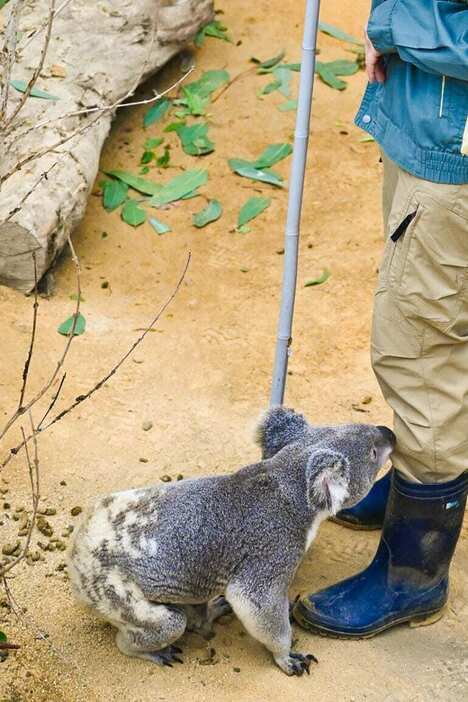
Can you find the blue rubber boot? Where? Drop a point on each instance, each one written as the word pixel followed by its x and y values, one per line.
pixel 369 513
pixel 408 579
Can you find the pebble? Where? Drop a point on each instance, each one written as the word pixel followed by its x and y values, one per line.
pixel 211 658
pixel 19 509
pixel 6 505
pixel 23 532
pixel 48 511
pixel 179 476
pixel 146 426
pixel 63 482
pixel 367 399
pixel 75 511
pixel 143 460
pixel 10 548
pixel 166 478
pixel 44 526
pixel 236 670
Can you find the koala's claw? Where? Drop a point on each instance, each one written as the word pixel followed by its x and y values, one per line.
pixel 298 663
pixel 166 656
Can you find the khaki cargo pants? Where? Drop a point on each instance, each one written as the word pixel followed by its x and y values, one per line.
pixel 420 326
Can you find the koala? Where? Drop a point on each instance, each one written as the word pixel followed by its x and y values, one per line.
pixel 158 561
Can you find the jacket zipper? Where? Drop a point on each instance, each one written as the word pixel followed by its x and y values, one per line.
pixel 442 95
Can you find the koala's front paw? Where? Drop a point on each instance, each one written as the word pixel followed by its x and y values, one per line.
pixel 295 663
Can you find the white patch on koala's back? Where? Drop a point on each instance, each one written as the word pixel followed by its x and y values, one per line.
pixel 107 532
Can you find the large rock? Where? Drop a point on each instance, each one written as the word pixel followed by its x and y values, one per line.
pixel 104 47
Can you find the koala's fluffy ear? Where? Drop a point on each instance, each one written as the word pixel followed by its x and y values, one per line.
pixel 278 427
pixel 327 479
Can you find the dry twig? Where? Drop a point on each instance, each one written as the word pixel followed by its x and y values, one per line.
pixel 33 336
pixel 24 408
pixel 8 55
pixel 81 398
pixel 37 71
pixel 33 469
pixel 90 110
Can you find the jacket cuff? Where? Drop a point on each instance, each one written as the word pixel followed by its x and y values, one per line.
pixel 379 27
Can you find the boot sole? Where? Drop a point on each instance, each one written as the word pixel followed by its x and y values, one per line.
pixel 355 527
pixel 414 621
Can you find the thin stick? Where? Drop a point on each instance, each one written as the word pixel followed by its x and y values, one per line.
pixel 33 336
pixel 233 80
pixel 61 361
pixel 54 400
pixel 81 130
pixel 44 24
pixel 101 382
pixel 103 109
pixel 8 54
pixel 37 70
pixel 33 469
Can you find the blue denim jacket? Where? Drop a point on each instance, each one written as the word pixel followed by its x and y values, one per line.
pixel 419 115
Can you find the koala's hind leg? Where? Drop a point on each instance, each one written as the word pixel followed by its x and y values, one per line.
pixel 200 618
pixel 152 635
pixel 265 615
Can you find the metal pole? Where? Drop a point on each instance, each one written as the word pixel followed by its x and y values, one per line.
pixel 296 190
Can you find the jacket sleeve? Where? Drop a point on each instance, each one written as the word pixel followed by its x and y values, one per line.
pixel 432 35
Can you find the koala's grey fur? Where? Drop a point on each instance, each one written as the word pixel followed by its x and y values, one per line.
pixel 152 561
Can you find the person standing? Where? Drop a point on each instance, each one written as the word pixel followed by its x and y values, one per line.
pixel 416 108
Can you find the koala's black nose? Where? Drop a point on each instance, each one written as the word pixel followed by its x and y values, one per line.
pixel 388 435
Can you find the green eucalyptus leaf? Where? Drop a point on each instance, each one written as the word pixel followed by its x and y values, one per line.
pixel 114 193
pixel 272 154
pixel 338 33
pixel 133 214
pixel 327 75
pixel 147 157
pixel 194 139
pixel 179 187
pixel 284 76
pixel 271 87
pixel 210 213
pixel 269 63
pixel 79 326
pixel 251 209
pixel 323 277
pixel 21 85
pixel 214 29
pixel 288 106
pixel 153 142
pixel 248 170
pixel 158 226
pixel 163 161
pixel 156 112
pixel 143 185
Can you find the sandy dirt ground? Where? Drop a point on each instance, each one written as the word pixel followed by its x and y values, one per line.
pixel 203 377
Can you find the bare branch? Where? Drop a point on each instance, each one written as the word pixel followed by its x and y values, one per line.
pixel 52 403
pixel 100 383
pixel 90 110
pixel 41 28
pixel 33 469
pixel 33 336
pixel 21 410
pixel 37 70
pixel 81 130
pixel 8 54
